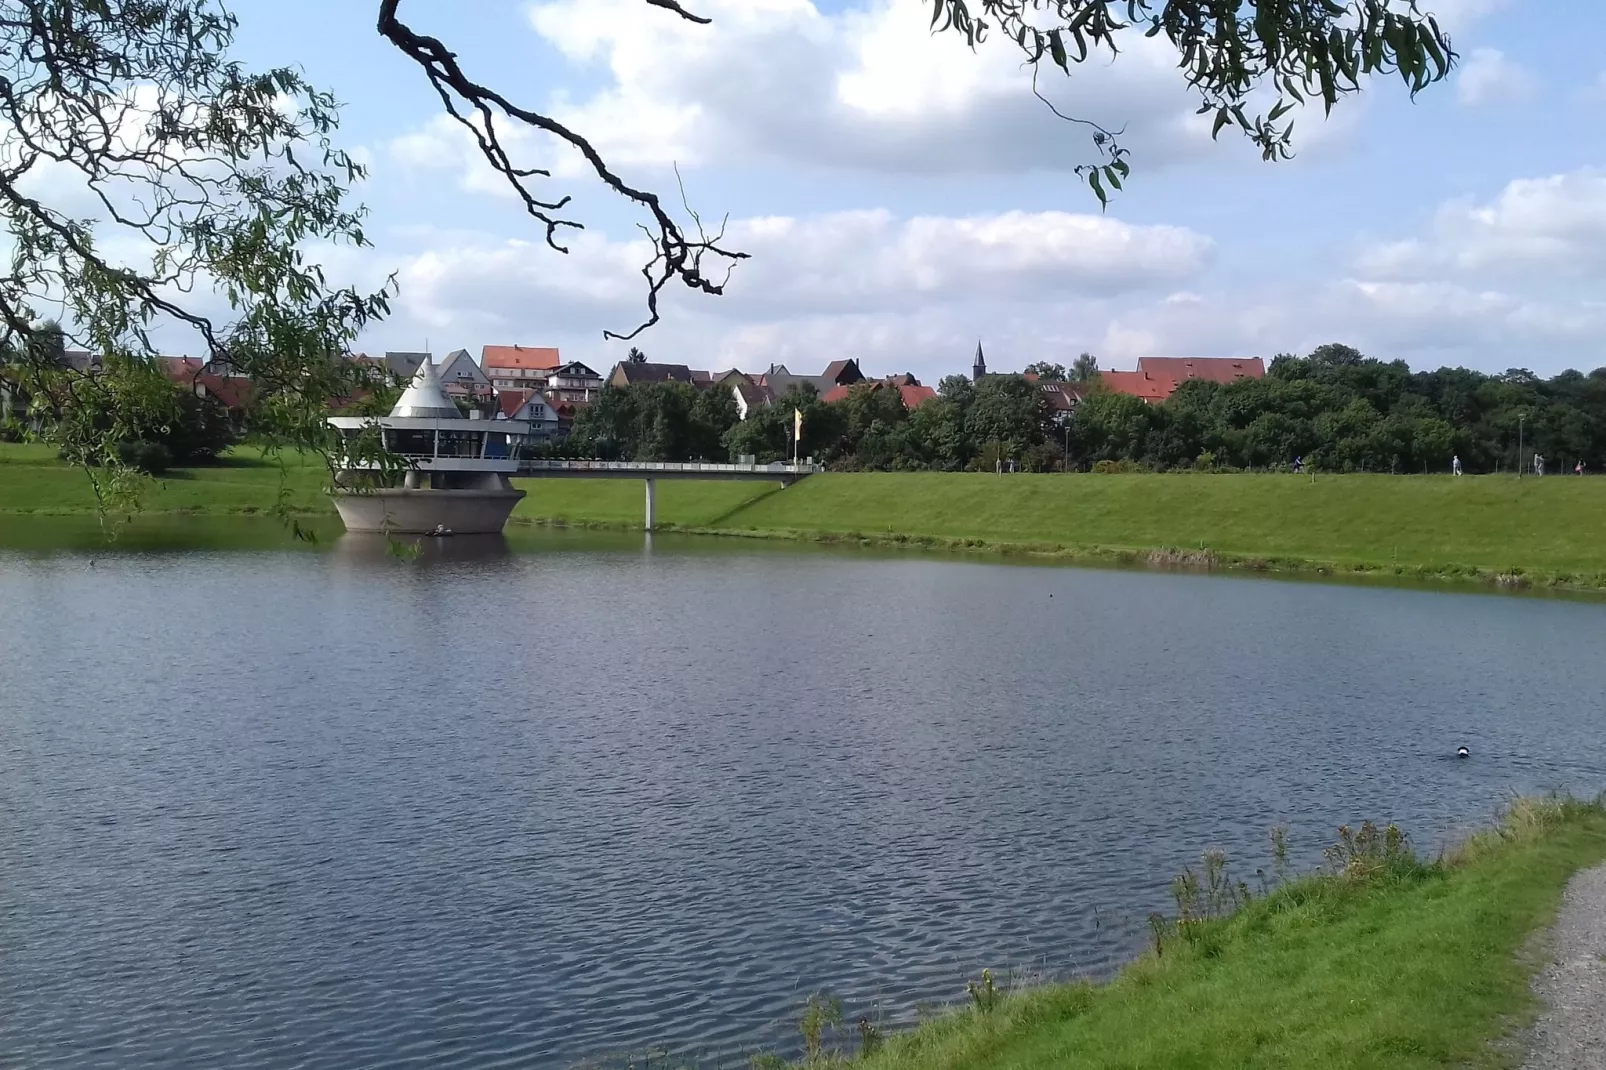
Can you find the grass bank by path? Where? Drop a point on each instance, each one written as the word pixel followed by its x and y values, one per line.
pixel 1393 965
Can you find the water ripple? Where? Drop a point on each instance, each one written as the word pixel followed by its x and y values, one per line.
pixel 280 811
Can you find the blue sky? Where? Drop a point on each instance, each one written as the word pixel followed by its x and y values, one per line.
pixel 902 198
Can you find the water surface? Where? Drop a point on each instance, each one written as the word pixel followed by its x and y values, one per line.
pixel 535 803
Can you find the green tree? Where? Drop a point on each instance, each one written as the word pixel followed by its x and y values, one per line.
pixel 1009 411
pixel 225 175
pixel 1085 367
pixel 1053 373
pixel 1111 427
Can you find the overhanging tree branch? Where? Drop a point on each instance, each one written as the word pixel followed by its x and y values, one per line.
pixel 675 254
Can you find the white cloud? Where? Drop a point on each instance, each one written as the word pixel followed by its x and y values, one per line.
pixel 1551 228
pixel 1488 77
pixel 842 263
pixel 1458 16
pixel 869 89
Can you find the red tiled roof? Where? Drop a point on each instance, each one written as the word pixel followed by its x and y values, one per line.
pixel 1215 369
pixel 1061 397
pixel 1151 388
pixel 234 392
pixel 916 396
pixel 528 358
pixel 180 369
pixel 835 394
pixel 511 401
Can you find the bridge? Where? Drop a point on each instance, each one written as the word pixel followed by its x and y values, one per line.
pixel 652 471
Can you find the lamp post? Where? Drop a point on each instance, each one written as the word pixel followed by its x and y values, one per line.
pixel 1067 445
pixel 1521 416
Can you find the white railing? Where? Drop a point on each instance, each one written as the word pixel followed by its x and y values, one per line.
pixel 777 467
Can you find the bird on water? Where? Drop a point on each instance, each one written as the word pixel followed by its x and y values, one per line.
pixel 1462 752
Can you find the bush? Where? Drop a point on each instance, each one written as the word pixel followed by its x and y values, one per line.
pixel 1108 467
pixel 152 458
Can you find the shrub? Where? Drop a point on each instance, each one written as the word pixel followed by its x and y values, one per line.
pixel 152 458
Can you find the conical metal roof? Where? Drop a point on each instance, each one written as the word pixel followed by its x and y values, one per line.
pixel 424 398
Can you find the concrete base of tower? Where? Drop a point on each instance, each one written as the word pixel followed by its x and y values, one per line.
pixel 401 511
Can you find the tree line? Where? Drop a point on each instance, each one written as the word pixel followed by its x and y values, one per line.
pixel 1335 409
pixel 1341 411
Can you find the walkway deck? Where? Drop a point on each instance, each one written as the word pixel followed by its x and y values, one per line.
pixel 650 472
pixel 769 473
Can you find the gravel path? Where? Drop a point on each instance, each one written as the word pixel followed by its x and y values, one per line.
pixel 1571 1032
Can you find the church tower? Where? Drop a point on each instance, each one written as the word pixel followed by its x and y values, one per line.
pixel 978 369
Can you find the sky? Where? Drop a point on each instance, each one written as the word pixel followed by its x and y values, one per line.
pixel 903 198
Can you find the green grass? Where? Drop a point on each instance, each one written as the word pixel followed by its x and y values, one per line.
pixel 622 502
pixel 1546 530
pixel 1479 527
pixel 1406 970
pixel 33 481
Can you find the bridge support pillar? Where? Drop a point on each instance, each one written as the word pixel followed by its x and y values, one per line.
pixel 652 493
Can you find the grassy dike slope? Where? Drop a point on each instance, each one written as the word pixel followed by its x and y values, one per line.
pixel 1409 968
pixel 33 481
pixel 1550 529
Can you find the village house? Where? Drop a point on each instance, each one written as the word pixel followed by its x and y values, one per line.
pixel 461 377
pixel 531 407
pixel 573 382
pixel 1157 378
pixel 634 373
pixel 519 367
pixel 910 391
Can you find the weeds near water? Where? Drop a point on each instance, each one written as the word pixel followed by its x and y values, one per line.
pixel 984 995
pixel 1369 852
pixel 820 1013
pixel 870 1038
pixel 1279 853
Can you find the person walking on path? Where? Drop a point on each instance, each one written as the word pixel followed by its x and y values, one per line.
pixel 1539 465
pixel 1579 468
pixel 1455 465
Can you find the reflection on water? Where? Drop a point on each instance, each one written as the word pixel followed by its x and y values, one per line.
pixel 425 549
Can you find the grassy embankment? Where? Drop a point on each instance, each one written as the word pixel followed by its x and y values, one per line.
pixel 1538 532
pixel 1388 964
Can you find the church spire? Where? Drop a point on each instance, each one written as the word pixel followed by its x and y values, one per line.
pixel 979 368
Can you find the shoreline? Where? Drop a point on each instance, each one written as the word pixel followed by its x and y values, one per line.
pixel 1156 559
pixel 1380 958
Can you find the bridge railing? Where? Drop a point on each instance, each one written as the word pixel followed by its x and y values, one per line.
pixel 778 467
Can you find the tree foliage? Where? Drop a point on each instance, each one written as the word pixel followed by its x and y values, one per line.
pixel 1296 51
pixel 1341 411
pixel 125 125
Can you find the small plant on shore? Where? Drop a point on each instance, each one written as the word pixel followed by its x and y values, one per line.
pixel 869 1038
pixel 1159 929
pixel 984 995
pixel 1368 852
pixel 820 1013
pixel 1279 853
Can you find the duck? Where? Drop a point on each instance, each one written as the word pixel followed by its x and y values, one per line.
pixel 1462 752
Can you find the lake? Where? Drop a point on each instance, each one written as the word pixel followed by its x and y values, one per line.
pixel 580 797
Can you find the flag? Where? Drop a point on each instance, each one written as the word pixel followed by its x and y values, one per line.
pixel 797 424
